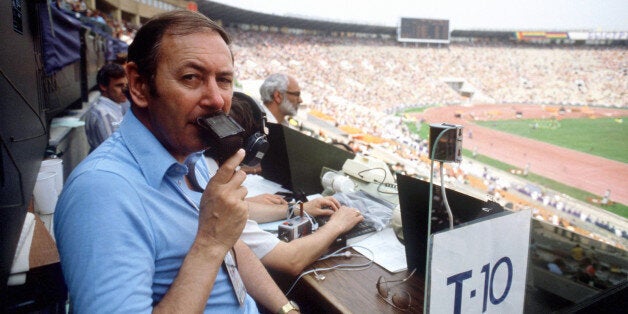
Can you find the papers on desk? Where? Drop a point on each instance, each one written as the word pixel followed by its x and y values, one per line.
pixel 272 226
pixel 387 251
pixel 257 185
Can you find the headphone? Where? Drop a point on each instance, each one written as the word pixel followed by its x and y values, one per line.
pixel 256 145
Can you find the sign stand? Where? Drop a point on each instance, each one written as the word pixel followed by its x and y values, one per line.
pixel 480 267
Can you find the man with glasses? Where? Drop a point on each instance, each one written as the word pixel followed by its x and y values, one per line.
pixel 281 96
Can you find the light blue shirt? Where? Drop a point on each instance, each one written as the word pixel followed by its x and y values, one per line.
pixel 125 222
pixel 102 119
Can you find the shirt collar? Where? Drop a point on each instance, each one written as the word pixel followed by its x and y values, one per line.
pixel 152 157
pixel 110 103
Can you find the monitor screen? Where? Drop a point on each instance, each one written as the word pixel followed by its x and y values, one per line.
pixel 295 160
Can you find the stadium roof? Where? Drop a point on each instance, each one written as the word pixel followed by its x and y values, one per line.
pixel 229 15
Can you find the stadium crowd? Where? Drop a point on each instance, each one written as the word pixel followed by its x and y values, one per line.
pixel 360 83
pixel 382 75
pixel 120 29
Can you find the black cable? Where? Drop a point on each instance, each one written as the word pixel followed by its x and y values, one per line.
pixel 30 107
pixel 394 186
pixel 19 174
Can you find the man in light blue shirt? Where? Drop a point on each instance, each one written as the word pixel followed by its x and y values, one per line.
pixel 105 115
pixel 133 237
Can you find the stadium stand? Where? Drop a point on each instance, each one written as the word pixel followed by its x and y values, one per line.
pixel 358 77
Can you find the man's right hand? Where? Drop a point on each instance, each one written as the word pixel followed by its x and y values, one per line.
pixel 345 218
pixel 223 212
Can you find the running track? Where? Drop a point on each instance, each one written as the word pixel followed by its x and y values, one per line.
pixel 586 172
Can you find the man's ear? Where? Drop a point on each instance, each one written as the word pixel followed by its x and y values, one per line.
pixel 138 86
pixel 277 97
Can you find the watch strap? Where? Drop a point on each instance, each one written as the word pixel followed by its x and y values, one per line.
pixel 288 307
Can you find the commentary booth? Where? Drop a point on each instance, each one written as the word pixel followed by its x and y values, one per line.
pixel 479 266
pixel 445 251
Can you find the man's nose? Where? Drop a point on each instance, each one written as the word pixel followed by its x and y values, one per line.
pixel 212 95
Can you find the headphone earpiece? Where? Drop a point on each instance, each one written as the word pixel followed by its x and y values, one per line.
pixel 258 144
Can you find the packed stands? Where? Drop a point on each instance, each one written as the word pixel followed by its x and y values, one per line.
pixel 382 75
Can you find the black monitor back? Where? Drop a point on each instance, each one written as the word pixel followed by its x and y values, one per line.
pixel 295 160
pixel 23 131
pixel 414 205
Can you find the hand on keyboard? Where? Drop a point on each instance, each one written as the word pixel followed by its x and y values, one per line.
pixel 345 219
pixel 322 206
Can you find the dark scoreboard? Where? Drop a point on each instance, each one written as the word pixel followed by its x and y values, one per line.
pixel 423 30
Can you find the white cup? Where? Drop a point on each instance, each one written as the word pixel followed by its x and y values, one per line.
pixel 337 183
pixel 328 179
pixel 343 184
pixel 48 223
pixel 45 194
pixel 54 165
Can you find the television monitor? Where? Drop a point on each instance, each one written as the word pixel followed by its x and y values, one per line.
pixel 23 130
pixel 295 160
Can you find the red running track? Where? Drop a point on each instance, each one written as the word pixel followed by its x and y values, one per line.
pixel 583 171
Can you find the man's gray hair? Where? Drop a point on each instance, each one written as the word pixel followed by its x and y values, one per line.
pixel 274 82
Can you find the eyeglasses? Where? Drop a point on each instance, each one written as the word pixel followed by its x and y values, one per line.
pixel 400 299
pixel 295 94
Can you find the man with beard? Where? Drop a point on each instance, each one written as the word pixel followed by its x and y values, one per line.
pixel 281 95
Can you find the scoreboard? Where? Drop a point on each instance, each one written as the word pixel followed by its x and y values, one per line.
pixel 423 30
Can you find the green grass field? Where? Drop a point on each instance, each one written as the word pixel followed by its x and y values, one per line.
pixel 578 134
pixel 604 137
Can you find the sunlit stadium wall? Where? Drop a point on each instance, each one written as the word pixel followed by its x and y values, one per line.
pixel 136 11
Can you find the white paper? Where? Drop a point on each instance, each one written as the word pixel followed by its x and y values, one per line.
pixel 387 251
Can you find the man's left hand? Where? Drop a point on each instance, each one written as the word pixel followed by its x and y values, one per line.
pixel 322 206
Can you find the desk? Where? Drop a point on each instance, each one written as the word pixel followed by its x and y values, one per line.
pixel 352 291
pixel 45 289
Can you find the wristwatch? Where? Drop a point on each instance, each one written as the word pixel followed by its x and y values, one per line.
pixel 291 305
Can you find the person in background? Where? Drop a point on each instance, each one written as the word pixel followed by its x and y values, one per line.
pixel 288 257
pixel 557 266
pixel 133 236
pixel 577 252
pixel 281 96
pixel 105 115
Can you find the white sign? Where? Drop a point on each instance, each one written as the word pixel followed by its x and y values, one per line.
pixel 481 267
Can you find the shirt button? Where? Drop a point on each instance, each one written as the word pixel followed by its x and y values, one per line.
pixel 179 182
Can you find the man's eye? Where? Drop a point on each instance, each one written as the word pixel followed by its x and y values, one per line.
pixel 189 77
pixel 225 80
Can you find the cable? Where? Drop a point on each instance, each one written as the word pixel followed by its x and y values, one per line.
pixel 390 185
pixel 429 217
pixel 444 194
pixel 337 253
pixel 41 122
pixel 348 267
pixel 4 175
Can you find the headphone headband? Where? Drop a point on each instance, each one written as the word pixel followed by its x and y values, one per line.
pixel 258 113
